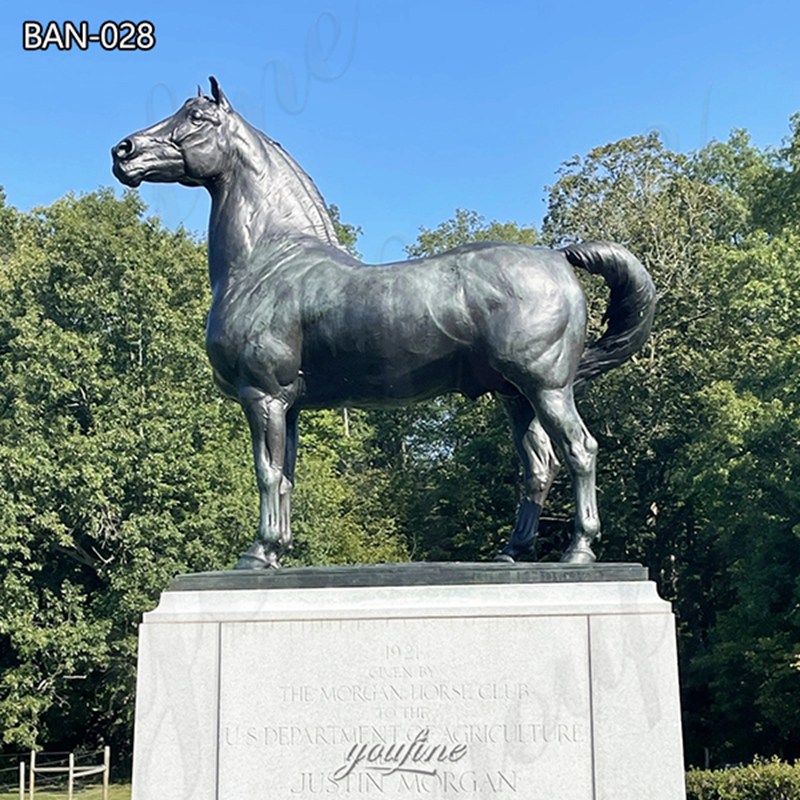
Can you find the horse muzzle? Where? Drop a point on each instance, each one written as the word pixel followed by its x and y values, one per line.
pixel 124 150
pixel 122 168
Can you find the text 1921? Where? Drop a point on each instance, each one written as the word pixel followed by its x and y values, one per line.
pixel 68 35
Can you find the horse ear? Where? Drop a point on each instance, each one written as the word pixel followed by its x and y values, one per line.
pixel 219 97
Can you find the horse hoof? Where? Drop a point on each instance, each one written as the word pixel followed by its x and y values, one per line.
pixel 579 555
pixel 504 558
pixel 256 557
pixel 247 561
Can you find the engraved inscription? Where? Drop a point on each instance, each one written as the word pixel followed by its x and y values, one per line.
pixel 498 733
pixel 406 716
pixel 469 782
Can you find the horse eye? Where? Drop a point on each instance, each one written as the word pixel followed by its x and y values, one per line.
pixel 196 116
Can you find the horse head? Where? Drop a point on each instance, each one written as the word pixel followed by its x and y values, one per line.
pixel 191 147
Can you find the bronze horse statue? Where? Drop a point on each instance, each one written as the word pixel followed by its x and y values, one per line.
pixel 297 322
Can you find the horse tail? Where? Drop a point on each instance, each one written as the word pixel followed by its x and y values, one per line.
pixel 631 306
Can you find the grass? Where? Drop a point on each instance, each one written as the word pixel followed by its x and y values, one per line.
pixel 117 792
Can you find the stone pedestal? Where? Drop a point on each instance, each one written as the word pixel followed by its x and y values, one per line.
pixel 418 681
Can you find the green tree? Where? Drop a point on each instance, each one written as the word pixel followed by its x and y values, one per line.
pixel 740 478
pixel 469 226
pixel 121 463
pixel 697 461
pixel 777 205
pixel 348 234
pixel 639 194
pixel 340 514
pixel 122 466
pixel 116 456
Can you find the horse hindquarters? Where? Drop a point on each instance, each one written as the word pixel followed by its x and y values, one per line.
pixel 540 360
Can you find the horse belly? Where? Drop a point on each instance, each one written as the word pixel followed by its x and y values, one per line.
pixel 364 380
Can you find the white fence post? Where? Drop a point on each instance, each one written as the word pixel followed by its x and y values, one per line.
pixel 106 770
pixel 71 775
pixel 32 781
pixel 21 780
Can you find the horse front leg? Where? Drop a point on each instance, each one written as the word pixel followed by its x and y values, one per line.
pixel 266 417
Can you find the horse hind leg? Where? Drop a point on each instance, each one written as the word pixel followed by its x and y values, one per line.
pixel 556 410
pixel 287 483
pixel 540 466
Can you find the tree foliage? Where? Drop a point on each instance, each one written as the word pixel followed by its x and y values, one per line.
pixel 122 465
pixel 697 470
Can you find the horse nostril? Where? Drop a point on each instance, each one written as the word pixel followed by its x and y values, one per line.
pixel 124 149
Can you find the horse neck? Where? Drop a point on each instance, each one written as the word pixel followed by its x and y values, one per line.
pixel 264 196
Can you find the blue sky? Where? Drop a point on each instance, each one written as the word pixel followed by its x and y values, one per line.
pixel 401 111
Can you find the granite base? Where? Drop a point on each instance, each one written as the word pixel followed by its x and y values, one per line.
pixel 419 681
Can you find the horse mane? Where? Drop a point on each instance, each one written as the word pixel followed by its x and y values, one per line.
pixel 311 201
